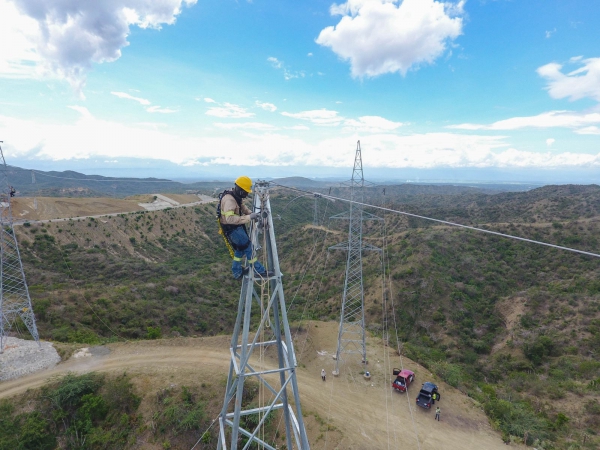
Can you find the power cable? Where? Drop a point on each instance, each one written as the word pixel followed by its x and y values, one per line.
pixel 445 222
pixel 386 268
pixel 206 431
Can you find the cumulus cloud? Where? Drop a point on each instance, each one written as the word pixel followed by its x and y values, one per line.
pixel 209 100
pixel 577 84
pixel 371 124
pixel 387 36
pixel 550 141
pixel 72 35
pixel 229 110
pixel 87 136
pixel 588 130
pixel 141 101
pixel 18 56
pixel 287 73
pixel 564 119
pixel 323 117
pixel 266 106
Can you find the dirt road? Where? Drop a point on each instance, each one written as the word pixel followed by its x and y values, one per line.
pixel 60 209
pixel 347 412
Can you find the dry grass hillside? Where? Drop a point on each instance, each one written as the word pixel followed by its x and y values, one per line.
pixel 348 412
pixel 514 327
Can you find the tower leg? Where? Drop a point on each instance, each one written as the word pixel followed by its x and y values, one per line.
pixel 241 367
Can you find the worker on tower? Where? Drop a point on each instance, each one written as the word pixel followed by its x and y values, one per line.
pixel 233 216
pixel 13 191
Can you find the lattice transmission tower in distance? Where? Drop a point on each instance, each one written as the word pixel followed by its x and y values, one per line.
pixel 278 383
pixel 14 296
pixel 351 333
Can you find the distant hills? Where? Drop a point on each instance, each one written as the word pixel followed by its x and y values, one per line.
pixel 75 184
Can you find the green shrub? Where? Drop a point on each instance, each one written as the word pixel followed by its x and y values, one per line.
pixel 516 419
pixel 154 333
pixel 34 433
pixel 539 349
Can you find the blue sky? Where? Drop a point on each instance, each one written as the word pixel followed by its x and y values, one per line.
pixel 459 90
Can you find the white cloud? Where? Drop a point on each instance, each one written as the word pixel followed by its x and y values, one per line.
pixel 309 54
pixel 324 117
pixel 245 126
pixel 298 128
pixel 141 101
pixel 580 83
pixel 209 100
pixel 588 130
pixel 158 109
pixel 287 74
pixel 550 33
pixel 88 137
pixel 564 119
pixel 229 110
pixel 72 35
pixel 550 141
pixel 387 36
pixel 266 106
pixel 364 124
pixel 371 124
pixel 18 57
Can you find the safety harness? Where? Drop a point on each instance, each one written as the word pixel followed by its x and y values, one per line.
pixel 225 230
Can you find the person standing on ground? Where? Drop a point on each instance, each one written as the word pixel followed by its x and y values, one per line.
pixel 233 216
pixel 437 413
pixel 323 374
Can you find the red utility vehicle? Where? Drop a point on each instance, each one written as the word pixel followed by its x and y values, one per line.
pixel 403 379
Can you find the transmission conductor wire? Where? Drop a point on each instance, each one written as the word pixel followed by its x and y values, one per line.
pixel 445 222
pixel 316 240
pixel 386 261
pixel 387 365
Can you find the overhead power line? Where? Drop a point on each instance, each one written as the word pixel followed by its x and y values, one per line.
pixel 445 222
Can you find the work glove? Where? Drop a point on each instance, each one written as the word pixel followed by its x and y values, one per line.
pixel 254 216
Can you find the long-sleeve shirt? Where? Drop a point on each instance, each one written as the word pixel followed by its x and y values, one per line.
pixel 229 206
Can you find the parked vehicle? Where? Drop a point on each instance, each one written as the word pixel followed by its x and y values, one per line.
pixel 403 379
pixel 428 395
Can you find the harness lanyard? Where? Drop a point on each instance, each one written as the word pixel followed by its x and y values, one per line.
pixel 227 243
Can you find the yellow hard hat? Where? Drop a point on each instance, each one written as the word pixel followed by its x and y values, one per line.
pixel 245 183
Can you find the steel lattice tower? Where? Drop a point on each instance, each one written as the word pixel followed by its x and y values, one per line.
pixel 14 295
pixel 351 334
pixel 277 382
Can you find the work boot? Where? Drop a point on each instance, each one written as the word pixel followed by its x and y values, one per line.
pixel 245 271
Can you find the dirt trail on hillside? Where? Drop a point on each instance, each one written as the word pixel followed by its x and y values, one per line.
pixel 63 208
pixel 363 415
